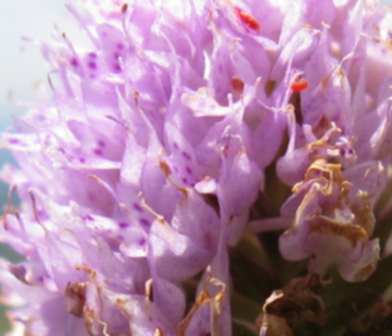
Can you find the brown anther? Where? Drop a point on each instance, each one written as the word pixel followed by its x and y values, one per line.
pixel 149 290
pixel 124 8
pixel 136 97
pixel 183 191
pixel 322 125
pixel 88 270
pixel 336 49
pixel 75 294
pixel 270 86
pixel 165 168
pixel 159 332
pixel 237 84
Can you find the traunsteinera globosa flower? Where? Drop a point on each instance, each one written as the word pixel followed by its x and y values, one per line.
pixel 186 145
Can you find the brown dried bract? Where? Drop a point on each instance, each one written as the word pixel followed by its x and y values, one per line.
pixel 298 302
pixel 205 297
pixel 75 298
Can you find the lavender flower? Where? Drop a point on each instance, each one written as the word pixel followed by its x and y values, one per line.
pixel 179 134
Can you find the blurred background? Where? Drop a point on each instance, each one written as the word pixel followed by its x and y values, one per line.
pixel 22 69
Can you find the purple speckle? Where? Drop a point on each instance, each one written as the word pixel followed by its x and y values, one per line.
pixel 145 222
pixel 92 55
pixel 185 180
pixel 87 218
pixel 137 207
pixel 189 170
pixel 120 46
pixel 117 67
pixel 82 160
pixel 74 62
pixel 186 156
pixel 142 242
pixel 92 65
pixel 101 143
pixel 123 225
pixel 98 151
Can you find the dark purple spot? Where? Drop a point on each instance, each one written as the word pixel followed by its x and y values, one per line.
pixel 142 242
pixel 117 68
pixel 19 271
pixel 186 156
pixel 123 225
pixel 175 145
pixel 13 141
pixel 145 222
pixel 92 65
pixel 87 218
pixel 101 143
pixel 124 8
pixel 74 62
pixel 137 207
pixel 185 180
pixel 92 55
pixel 82 160
pixel 116 55
pixel 91 197
pixel 120 46
pixel 189 170
pixel 98 151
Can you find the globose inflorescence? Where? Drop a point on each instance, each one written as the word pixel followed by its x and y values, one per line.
pixel 180 130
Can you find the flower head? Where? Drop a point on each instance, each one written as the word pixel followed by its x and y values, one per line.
pixel 178 132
